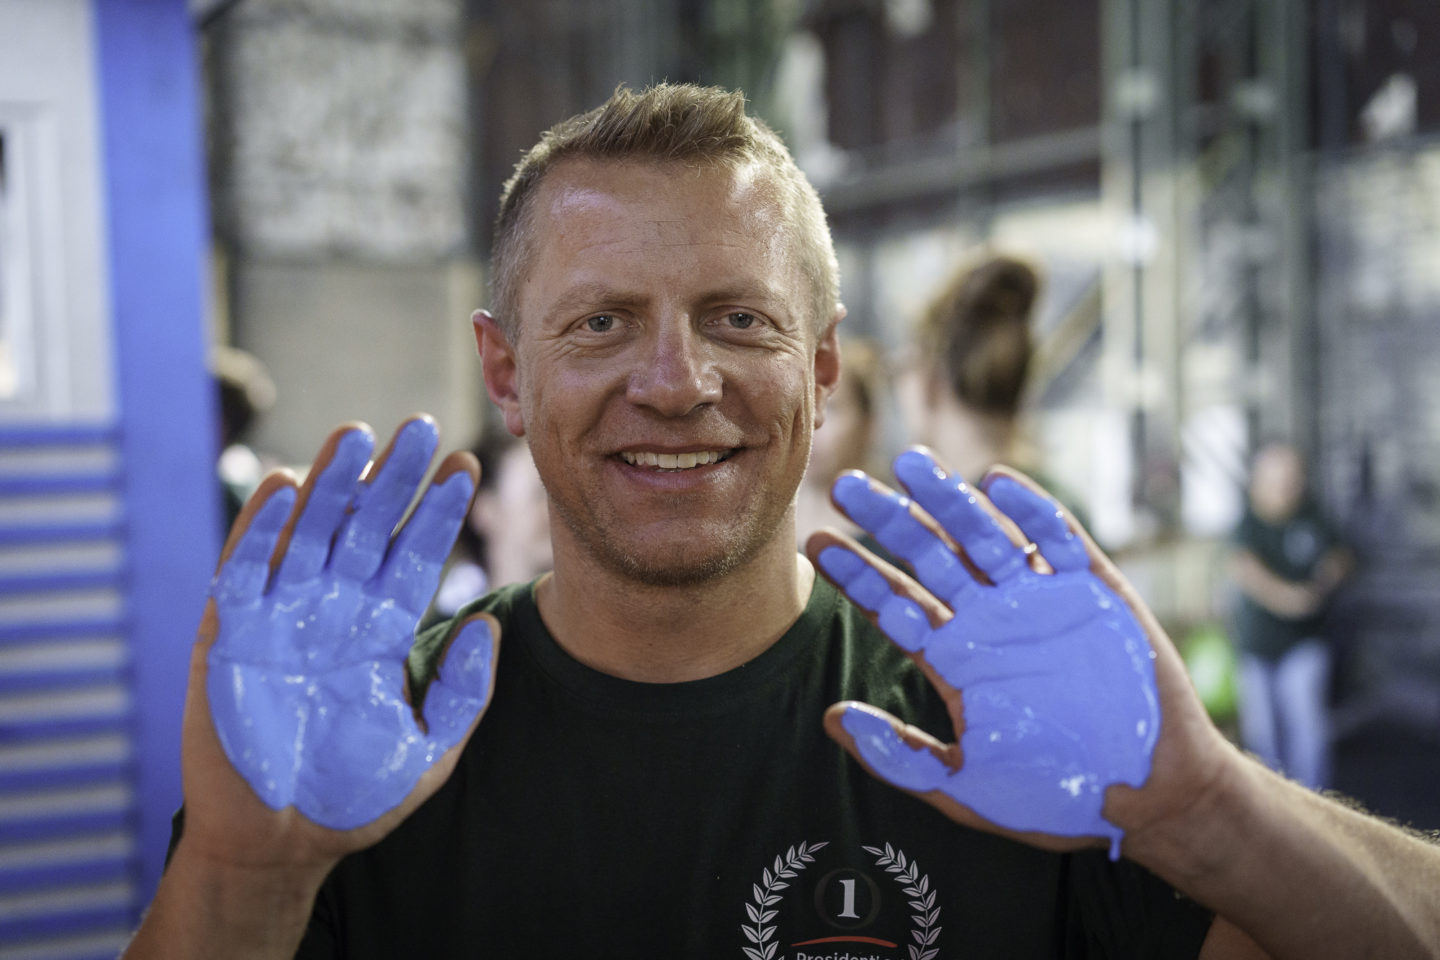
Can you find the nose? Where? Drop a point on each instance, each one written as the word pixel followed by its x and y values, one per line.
pixel 678 373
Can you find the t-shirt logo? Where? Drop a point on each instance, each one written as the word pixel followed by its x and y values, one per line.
pixel 839 911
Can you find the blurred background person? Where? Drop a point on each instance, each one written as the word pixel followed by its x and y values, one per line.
pixel 963 384
pixel 847 438
pixel 506 538
pixel 1287 563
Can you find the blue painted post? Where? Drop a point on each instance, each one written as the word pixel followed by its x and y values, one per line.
pixel 155 195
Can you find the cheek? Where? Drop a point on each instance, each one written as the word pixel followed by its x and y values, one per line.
pixel 789 388
pixel 575 391
pixel 795 416
pixel 544 410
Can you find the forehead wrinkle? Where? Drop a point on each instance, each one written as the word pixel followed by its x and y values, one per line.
pixel 676 233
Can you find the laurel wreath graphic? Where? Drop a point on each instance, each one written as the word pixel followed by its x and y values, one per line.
pixel 922 899
pixel 767 893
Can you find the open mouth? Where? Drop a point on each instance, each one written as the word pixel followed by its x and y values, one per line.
pixel 675 461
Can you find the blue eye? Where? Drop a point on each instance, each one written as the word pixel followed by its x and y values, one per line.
pixel 741 321
pixel 603 323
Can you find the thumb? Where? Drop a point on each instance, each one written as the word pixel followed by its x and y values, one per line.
pixel 902 756
pixel 461 692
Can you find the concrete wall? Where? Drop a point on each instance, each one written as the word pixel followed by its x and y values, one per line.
pixel 339 167
pixel 356 341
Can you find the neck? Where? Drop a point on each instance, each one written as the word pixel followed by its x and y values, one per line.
pixel 665 634
pixel 968 442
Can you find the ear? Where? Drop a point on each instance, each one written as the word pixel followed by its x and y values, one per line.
pixel 502 372
pixel 827 363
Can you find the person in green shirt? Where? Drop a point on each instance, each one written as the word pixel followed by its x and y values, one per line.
pixel 1287 563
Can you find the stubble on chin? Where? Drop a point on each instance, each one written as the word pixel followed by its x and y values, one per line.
pixel 693 563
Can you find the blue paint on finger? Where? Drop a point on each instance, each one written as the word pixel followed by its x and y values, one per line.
pixel 862 584
pixel 245 573
pixel 883 513
pixel 887 517
pixel 456 696
pixel 902 620
pixel 958 510
pixel 898 616
pixel 1043 522
pixel 1056 673
pixel 862 503
pixel 306 678
pixel 328 500
pixel 414 562
pixel 380 502
pixel 894 760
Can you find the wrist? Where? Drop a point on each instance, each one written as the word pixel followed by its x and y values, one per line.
pixel 256 909
pixel 1226 848
pixel 1300 874
pixel 1192 845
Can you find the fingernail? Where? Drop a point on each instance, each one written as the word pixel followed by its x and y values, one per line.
pixel 354 442
pixel 457 487
pixel 915 462
pixel 852 492
pixel 864 722
pixel 867 506
pixel 426 430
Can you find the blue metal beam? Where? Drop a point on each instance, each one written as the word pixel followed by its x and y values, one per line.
pixel 158 237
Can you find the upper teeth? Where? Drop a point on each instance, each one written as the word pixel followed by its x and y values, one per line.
pixel 672 461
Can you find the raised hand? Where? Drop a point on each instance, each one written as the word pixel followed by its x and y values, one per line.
pixel 306 675
pixel 1049 674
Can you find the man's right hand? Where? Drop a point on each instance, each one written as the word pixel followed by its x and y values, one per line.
pixel 300 743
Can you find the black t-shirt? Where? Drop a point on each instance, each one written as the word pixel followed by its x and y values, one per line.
pixel 592 817
pixel 1291 550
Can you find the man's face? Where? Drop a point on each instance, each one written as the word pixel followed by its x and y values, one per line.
pixel 665 367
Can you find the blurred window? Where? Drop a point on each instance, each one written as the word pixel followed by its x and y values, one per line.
pixel 957 72
pixel 1045 67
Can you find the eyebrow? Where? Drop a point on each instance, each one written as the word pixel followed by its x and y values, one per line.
pixel 589 296
pixel 759 292
pixel 600 295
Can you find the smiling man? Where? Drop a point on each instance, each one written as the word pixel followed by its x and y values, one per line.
pixel 668 361
pixel 652 775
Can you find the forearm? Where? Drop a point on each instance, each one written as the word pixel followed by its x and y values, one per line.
pixel 1332 569
pixel 211 911
pixel 1287 599
pixel 1305 876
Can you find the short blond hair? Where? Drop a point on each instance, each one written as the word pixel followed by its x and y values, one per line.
pixel 665 123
